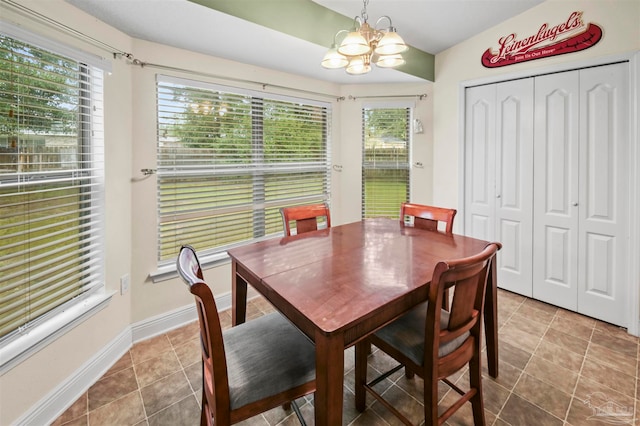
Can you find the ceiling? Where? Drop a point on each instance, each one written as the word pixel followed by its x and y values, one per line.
pixel 428 25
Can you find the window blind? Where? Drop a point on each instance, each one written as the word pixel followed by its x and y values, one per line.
pixel 229 159
pixel 386 160
pixel 51 183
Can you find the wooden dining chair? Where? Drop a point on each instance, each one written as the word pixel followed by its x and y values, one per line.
pixel 252 367
pixel 434 343
pixel 428 217
pixel 305 217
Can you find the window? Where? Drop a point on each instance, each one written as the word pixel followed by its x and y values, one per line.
pixel 385 165
pixel 229 159
pixel 51 185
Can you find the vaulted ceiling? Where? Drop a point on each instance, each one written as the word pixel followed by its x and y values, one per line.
pixel 293 35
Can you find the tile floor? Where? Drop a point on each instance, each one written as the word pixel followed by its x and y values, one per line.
pixel 556 368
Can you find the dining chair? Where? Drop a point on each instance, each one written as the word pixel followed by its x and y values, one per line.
pixel 428 217
pixel 435 343
pixel 305 217
pixel 252 367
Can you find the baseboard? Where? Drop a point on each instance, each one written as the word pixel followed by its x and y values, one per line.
pixel 160 324
pixel 49 408
pixel 59 399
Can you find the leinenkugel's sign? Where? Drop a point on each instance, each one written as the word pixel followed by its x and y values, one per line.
pixel 567 37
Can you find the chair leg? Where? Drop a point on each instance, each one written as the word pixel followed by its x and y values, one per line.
pixel 362 351
pixel 430 399
pixel 408 373
pixel 475 382
pixel 205 415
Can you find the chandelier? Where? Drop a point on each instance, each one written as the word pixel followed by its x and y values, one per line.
pixel 364 45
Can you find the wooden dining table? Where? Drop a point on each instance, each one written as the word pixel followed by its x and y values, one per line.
pixel 339 284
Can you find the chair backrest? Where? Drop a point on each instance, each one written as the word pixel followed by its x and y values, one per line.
pixel 188 265
pixel 305 217
pixel 214 361
pixel 428 217
pixel 468 277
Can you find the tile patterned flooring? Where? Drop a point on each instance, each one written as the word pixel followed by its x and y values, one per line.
pixel 556 368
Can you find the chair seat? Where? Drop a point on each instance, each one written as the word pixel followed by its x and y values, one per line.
pixel 406 334
pixel 266 356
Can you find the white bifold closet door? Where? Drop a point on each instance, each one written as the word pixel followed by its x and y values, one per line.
pixel 547 174
pixel 499 176
pixel 581 226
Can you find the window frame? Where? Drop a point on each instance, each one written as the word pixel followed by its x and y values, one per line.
pixel 45 328
pixel 410 107
pixel 320 165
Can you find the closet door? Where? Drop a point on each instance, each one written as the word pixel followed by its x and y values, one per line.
pixel 499 175
pixel 603 241
pixel 514 184
pixel 556 196
pixel 480 125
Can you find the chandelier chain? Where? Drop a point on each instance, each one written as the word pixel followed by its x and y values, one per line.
pixel 363 13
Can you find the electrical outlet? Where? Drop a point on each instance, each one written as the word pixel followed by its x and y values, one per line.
pixel 124 283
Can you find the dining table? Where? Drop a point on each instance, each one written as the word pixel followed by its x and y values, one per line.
pixel 339 284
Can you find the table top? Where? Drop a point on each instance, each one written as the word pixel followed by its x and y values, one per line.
pixel 350 278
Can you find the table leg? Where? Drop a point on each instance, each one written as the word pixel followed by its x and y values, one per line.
pixel 238 297
pixel 329 379
pixel 491 320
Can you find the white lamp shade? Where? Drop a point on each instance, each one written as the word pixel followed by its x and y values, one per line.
pixel 390 61
pixel 391 44
pixel 332 59
pixel 354 44
pixel 358 66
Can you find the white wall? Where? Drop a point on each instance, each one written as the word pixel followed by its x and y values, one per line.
pixel 50 377
pixel 619 19
pixel 461 65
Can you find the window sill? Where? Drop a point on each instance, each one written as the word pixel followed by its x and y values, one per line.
pixel 22 347
pixel 168 271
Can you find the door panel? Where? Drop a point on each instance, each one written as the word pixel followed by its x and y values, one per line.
pixel 514 184
pixel 555 237
pixel 604 192
pixel 480 162
pixel 558 252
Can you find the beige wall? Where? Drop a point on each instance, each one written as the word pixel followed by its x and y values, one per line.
pixel 152 299
pixel 619 19
pixel 130 145
pixel 23 386
pixel 130 138
pixel 348 144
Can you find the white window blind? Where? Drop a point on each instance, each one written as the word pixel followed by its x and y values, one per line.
pixel 51 184
pixel 229 159
pixel 386 160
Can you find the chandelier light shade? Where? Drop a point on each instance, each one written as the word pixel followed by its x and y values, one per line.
pixel 358 65
pixel 354 44
pixel 364 44
pixel 391 44
pixel 390 61
pixel 332 59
